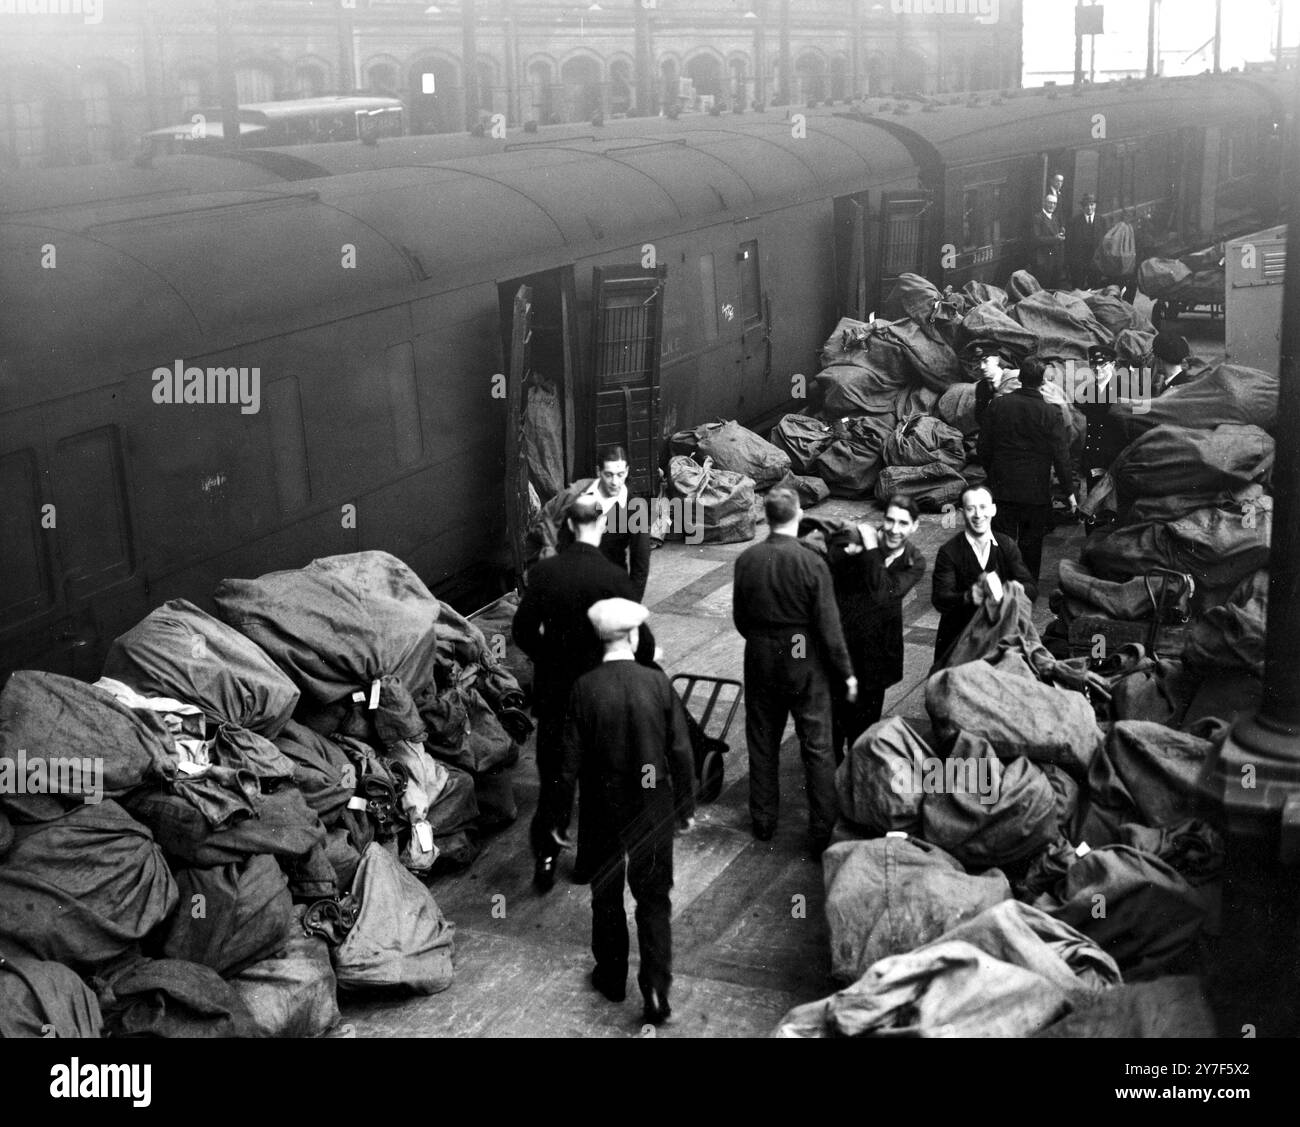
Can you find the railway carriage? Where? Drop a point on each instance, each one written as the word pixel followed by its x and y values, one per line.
pixel 661 272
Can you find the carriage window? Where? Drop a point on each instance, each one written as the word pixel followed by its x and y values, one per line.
pixel 22 555
pixel 709 296
pixel 751 299
pixel 288 444
pixel 91 495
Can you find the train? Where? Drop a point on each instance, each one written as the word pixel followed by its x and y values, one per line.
pixel 224 364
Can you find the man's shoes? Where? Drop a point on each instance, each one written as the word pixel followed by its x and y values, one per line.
pixel 657 1010
pixel 544 874
pixel 764 832
pixel 607 984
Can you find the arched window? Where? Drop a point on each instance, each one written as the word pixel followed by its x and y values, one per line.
pixel 101 111
pixel 254 82
pixel 487 85
pixel 620 86
pixel 195 90
pixel 541 78
pixel 27 119
pixel 669 86
pixel 839 77
pixel 706 72
pixel 581 77
pixel 909 73
pixel 739 76
pixel 309 80
pixel 436 103
pixel 810 69
pixel 381 78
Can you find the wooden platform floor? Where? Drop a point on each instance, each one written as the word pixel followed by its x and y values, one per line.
pixel 749 934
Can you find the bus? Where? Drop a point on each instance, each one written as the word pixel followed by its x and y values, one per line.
pixel 356 117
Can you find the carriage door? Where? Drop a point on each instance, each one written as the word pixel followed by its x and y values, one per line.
pixel 851 257
pixel 903 238
pixel 623 406
pixel 516 475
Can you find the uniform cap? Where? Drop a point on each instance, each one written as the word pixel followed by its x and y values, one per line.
pixel 1102 354
pixel 612 618
pixel 1171 348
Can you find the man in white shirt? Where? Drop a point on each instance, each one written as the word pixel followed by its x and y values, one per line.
pixel 962 567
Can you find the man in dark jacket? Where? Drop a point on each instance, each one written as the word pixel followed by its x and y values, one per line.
pixel 1047 238
pixel 873 570
pixel 551 627
pixel 1082 238
pixel 626 539
pixel 1022 438
pixel 962 565
pixel 627 739
pixel 784 608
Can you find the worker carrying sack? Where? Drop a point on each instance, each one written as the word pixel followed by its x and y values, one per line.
pixel 400 938
pixel 890 895
pixel 339 624
pixel 1117 252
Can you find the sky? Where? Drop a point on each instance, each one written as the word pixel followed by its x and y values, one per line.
pixel 1249 32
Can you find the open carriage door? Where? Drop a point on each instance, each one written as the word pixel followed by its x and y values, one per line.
pixel 851 255
pixel 516 478
pixel 904 239
pixel 627 328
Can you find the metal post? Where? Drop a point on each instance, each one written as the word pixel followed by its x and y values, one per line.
pixel 1218 34
pixel 347 55
pixel 227 89
pixel 783 79
pixel 1259 766
pixel 645 78
pixel 760 53
pixel 514 82
pixel 1151 38
pixel 1078 45
pixel 855 48
pixel 469 61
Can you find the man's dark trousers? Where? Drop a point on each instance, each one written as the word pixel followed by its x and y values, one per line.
pixel 1027 525
pixel 550 737
pixel 777 684
pixel 641 851
pixel 851 720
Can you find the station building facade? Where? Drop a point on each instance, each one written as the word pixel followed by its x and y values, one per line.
pixel 81 80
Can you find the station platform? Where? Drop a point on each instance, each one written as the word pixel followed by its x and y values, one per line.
pixel 746 947
pixel 749 933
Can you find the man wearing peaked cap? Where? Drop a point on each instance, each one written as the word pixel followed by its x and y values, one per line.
pixel 1099 443
pixel 615 618
pixel 625 737
pixel 990 356
pixel 1172 354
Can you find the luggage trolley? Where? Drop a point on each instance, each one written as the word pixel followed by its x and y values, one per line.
pixel 708 749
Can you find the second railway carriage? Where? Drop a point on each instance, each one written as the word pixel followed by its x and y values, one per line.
pixel 669 271
pixel 1190 161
